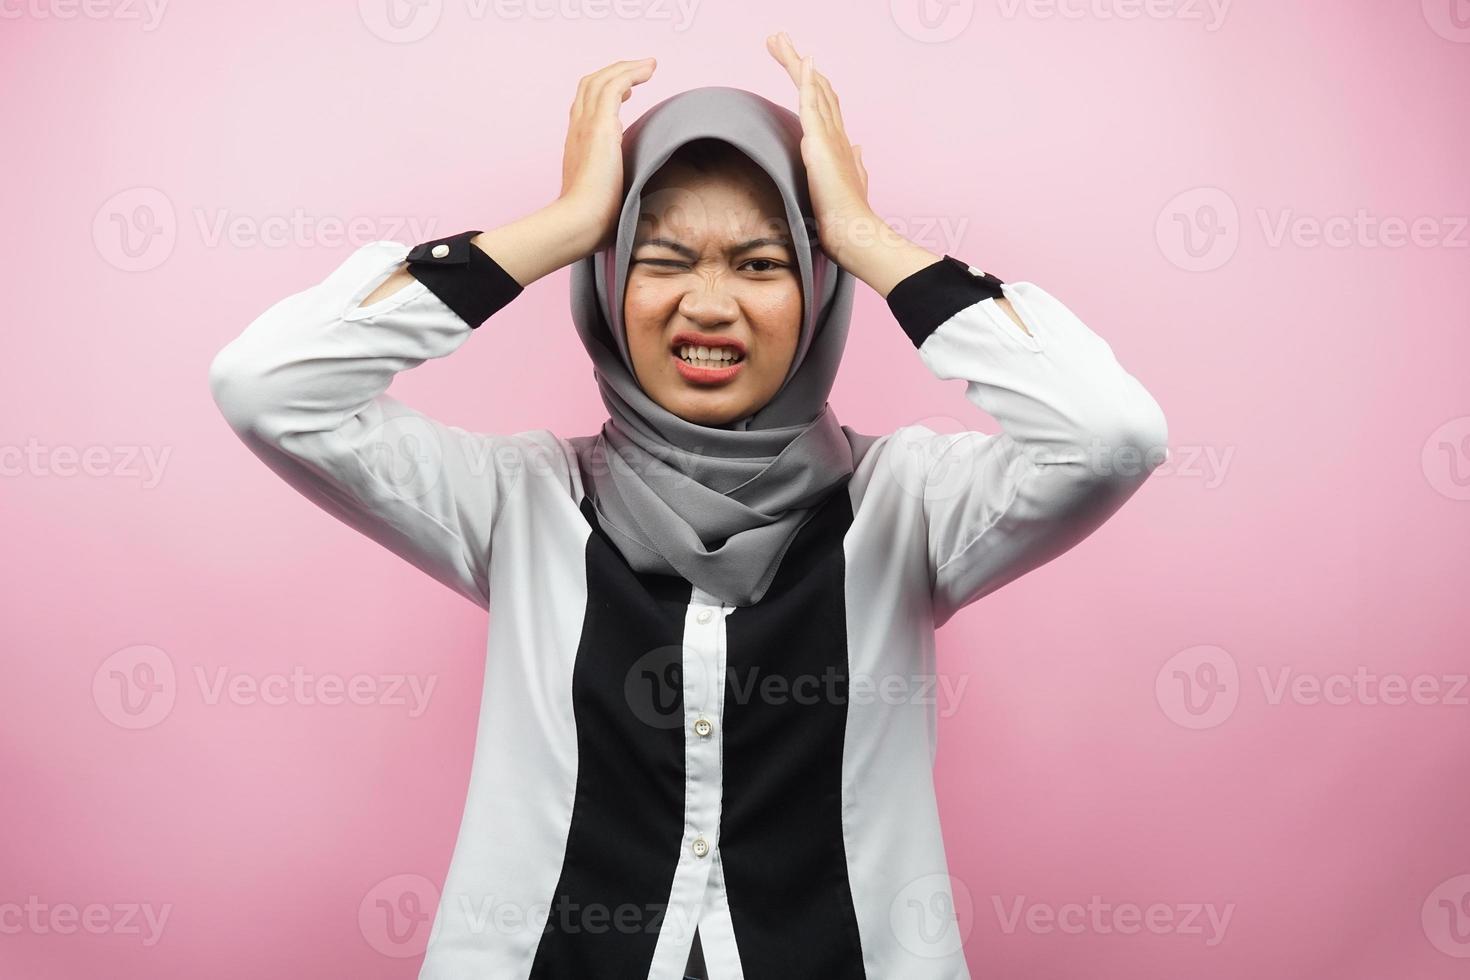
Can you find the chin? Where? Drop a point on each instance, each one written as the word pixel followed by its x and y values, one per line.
pixel 711 411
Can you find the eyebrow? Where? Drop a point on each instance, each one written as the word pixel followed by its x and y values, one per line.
pixel 685 250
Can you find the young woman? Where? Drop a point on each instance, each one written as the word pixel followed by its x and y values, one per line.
pixel 707 731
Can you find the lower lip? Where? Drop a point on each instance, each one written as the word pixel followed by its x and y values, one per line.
pixel 706 376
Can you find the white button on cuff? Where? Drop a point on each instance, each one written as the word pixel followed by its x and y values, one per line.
pixel 704 616
pixel 439 251
pixel 701 847
pixel 702 727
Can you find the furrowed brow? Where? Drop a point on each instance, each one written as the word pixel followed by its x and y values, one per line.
pixel 759 243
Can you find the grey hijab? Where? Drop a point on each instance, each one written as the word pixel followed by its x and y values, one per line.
pixel 717 505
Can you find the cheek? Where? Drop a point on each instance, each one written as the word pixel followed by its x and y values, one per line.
pixel 645 347
pixel 775 320
pixel 646 312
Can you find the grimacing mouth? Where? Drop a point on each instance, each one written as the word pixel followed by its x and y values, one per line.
pixel 706 350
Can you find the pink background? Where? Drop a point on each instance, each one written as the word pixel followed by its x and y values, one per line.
pixel 1311 522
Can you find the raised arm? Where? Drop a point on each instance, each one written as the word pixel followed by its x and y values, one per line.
pixel 1079 434
pixel 304 386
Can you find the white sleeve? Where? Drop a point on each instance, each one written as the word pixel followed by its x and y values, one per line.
pixel 1079 434
pixel 303 386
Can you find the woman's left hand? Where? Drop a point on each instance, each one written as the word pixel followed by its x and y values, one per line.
pixel 836 179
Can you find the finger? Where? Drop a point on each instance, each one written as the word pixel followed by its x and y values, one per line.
pixel 619 86
pixel 834 111
pixel 580 98
pixel 778 52
pixel 801 70
pixel 590 89
pixel 615 77
pixel 603 103
pixel 812 92
pixel 824 112
pixel 857 158
pixel 780 47
pixel 824 97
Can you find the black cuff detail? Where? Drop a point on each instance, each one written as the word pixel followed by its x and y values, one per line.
pixel 460 273
pixel 927 298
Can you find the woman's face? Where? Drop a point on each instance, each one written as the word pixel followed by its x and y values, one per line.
pixel 713 305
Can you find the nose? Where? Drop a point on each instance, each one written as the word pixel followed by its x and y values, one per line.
pixel 709 303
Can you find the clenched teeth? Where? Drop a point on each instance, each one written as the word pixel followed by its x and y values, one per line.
pixel 709 357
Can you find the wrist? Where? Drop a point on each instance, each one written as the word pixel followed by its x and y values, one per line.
pixel 580 233
pixel 538 244
pixel 871 250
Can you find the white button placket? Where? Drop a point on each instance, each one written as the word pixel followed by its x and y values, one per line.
pixel 704 689
pixel 704 654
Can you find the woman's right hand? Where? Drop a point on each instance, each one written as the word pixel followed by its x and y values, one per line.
pixel 592 163
pixel 584 217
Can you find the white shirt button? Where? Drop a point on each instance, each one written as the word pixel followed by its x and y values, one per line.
pixel 704 616
pixel 439 251
pixel 702 727
pixel 701 847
